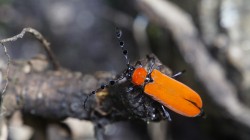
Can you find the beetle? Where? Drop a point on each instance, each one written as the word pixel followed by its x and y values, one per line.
pixel 162 88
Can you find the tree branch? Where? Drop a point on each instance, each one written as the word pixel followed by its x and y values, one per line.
pixel 60 94
pixel 208 71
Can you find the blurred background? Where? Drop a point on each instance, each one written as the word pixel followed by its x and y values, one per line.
pixel 207 38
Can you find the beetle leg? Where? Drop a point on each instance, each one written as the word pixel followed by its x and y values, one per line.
pixel 203 114
pixel 166 113
pixel 160 68
pixel 138 63
pixel 152 60
pixel 130 88
pixel 178 74
pixel 139 101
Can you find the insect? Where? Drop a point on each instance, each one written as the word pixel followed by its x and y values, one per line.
pixel 169 92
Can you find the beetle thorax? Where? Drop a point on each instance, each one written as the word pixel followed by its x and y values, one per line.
pixel 139 76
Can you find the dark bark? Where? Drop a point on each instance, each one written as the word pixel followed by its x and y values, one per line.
pixel 58 94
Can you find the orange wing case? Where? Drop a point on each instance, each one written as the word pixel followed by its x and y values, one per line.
pixel 173 94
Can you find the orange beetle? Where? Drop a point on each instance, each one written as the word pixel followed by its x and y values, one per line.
pixel 169 92
pixel 164 89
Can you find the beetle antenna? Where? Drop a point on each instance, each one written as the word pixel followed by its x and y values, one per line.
pixel 112 82
pixel 121 43
pixel 103 86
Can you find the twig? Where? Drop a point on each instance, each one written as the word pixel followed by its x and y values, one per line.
pixel 209 72
pixel 40 37
pixel 6 78
pixel 7 72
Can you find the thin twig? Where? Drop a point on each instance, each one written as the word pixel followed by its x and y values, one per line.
pixel 40 37
pixel 209 71
pixel 6 78
pixel 7 72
